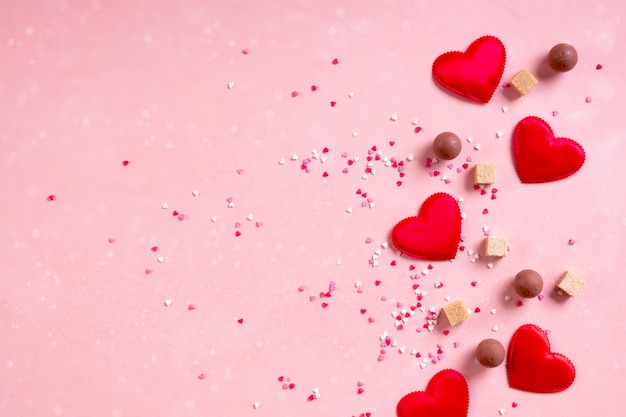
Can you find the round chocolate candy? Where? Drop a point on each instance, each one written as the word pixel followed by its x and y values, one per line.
pixel 528 283
pixel 562 57
pixel 490 353
pixel 447 145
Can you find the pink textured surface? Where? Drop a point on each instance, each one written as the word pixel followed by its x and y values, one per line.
pixel 86 85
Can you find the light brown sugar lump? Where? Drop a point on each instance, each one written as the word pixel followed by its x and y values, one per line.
pixel 484 174
pixel 523 82
pixel 455 312
pixel 570 283
pixel 496 246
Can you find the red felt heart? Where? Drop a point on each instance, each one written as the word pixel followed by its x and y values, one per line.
pixel 446 395
pixel 531 366
pixel 475 73
pixel 434 233
pixel 540 157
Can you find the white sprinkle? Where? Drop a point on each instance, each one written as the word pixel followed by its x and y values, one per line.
pixel 355 134
pixel 282 161
pixel 357 284
pixel 447 298
pixel 355 159
pixel 462 215
pixel 493 311
pixel 164 206
pixel 505 109
pixel 485 228
pixel 323 159
pixel 499 134
pixel 195 193
pixel 415 122
pixel 423 365
pixel 214 219
pixel 372 204
pixel 502 411
pixel 294 157
pixel 470 252
pixel 351 94
pixel 364 177
pixel 470 139
pixel 425 272
pixel 409 157
pixel 230 85
pixel 250 217
pixel 394 117
pixel 339 262
pixel 231 204
pixel 477 146
pixel 167 302
pixel 507 298
pixel 256 405
pixel 434 160
pixel 494 328
pixel 161 259
pixel 401 349
pixel 460 199
pixel 490 265
pixel 384 245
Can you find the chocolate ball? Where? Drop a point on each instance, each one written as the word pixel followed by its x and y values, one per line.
pixel 490 353
pixel 447 145
pixel 562 57
pixel 528 283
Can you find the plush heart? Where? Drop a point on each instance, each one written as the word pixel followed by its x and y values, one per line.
pixel 475 73
pixel 539 156
pixel 446 395
pixel 434 233
pixel 531 366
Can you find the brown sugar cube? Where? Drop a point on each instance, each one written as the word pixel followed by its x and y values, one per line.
pixel 455 312
pixel 484 174
pixel 496 246
pixel 570 283
pixel 523 82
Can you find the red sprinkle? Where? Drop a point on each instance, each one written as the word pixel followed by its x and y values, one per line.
pixel 599 67
pixel 445 332
pixel 325 150
pixel 391 143
pixel 474 283
pixel 360 391
pixel 325 174
pixel 520 303
pixel 393 263
pixel 237 233
pixel 377 282
pixel 333 103
pixel 477 310
pixel 313 87
pixel 239 321
pixel 125 163
pixel 418 129
pixel 335 61
pixel 52 197
pixel 513 404
pixel 154 248
pixel 363 311
pixel 324 305
pixel 485 211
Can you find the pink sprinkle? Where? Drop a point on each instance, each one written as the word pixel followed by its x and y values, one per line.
pixel 398 304
pixel 333 103
pixel 446 332
pixel 245 51
pixel 383 298
pixel 381 357
pixel 456 344
pixel 332 286
pixel 459 170
pixel 239 171
pixel 201 376
pixel 571 242
pixel 229 200
pixel 237 224
pixel 344 154
pixel 359 383
pixel 541 297
pixel 450 166
pixel 555 113
pixel 468 159
pixel 285 386
pixel 599 67
pixel 311 298
pixel 447 181
pixel 588 99
pixel 506 85
pixel 148 271
pixel 111 240
pixel 295 93
pixel 368 240
pixel 302 288
pixel 259 224
pixel 191 307
pixel 335 61
pixel 428 162
pixel 371 319
pixel 359 290
pixel 345 170
pixel 548 331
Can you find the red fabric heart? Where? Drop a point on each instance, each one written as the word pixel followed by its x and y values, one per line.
pixel 531 366
pixel 446 395
pixel 540 157
pixel 434 233
pixel 475 73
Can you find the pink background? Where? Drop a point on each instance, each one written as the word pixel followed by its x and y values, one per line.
pixel 86 85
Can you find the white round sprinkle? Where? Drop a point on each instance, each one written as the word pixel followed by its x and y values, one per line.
pixel 423 365
pixel 357 284
pixel 490 265
pixel 384 245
